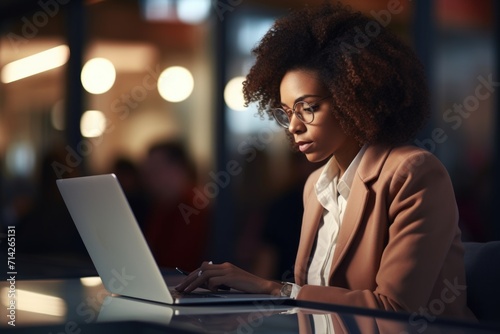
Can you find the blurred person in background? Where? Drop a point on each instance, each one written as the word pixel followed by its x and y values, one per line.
pixel 47 229
pixel 276 255
pixel 169 177
pixel 130 179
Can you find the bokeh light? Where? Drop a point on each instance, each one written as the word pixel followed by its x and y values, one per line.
pixel 92 123
pixel 175 84
pixel 20 159
pixel 98 75
pixel 193 11
pixel 35 64
pixel 233 94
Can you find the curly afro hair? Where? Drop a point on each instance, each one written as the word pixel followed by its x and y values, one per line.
pixel 377 83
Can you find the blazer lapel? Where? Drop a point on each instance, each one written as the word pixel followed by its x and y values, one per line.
pixel 350 223
pixel 311 219
pixel 368 169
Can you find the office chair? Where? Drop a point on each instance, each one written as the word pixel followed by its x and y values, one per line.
pixel 482 269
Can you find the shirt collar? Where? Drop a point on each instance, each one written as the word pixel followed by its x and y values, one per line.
pixel 331 171
pixel 345 182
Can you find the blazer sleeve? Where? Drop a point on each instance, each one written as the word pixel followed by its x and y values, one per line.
pixel 422 216
pixel 424 226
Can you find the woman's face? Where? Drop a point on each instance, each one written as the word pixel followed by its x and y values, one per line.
pixel 324 136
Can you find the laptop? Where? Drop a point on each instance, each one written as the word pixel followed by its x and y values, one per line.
pixel 118 249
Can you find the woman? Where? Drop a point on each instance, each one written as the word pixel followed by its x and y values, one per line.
pixel 380 224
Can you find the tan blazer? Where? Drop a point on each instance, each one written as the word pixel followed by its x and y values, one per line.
pixel 399 244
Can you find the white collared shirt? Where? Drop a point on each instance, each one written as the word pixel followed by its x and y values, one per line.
pixel 332 193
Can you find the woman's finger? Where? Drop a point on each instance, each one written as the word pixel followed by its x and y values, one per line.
pixel 193 276
pixel 188 280
pixel 204 277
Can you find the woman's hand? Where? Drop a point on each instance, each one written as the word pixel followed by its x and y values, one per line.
pixel 211 276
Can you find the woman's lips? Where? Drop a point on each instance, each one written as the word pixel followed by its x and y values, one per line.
pixel 304 145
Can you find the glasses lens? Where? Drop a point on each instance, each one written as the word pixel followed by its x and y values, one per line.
pixel 281 117
pixel 304 111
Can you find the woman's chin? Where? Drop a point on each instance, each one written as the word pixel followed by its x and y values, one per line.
pixel 315 157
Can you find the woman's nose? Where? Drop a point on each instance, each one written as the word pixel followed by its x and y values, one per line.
pixel 296 125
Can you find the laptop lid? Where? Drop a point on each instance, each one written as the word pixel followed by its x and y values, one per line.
pixel 114 241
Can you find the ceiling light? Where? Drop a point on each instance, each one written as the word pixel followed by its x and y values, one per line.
pixel 34 64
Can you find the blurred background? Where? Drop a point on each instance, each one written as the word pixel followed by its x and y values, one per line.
pixel 151 90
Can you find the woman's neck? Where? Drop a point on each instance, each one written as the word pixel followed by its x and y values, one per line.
pixel 345 156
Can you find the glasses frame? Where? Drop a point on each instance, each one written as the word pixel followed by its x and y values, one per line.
pixel 308 105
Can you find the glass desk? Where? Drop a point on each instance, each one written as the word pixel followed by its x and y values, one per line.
pixel 82 305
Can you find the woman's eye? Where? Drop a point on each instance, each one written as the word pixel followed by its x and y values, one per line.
pixel 312 108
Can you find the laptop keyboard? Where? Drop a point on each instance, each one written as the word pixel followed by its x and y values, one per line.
pixel 177 294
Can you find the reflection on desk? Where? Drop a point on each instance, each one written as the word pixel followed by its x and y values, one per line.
pixel 214 318
pixel 84 306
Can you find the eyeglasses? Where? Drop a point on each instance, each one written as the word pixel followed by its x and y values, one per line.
pixel 302 109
